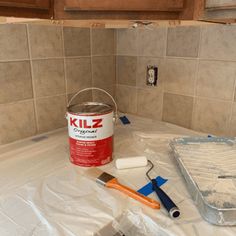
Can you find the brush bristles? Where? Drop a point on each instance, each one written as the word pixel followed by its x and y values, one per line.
pixel 98 175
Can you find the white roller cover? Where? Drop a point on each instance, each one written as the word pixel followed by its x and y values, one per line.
pixel 131 162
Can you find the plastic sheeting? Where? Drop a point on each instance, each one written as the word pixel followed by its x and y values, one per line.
pixel 42 194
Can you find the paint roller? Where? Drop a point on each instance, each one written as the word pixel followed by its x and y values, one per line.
pixel 141 161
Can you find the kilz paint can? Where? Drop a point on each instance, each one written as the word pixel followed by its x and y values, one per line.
pixel 91 129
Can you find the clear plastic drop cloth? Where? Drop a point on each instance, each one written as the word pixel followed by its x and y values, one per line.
pixel 43 194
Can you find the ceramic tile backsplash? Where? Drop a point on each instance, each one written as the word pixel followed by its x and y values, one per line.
pixel 18 117
pixel 179 76
pixel 15 80
pixel 42 67
pixel 45 41
pixel 150 103
pixel 77 41
pixel 103 42
pixel 51 112
pixel 48 76
pixel 103 71
pixel 233 121
pixel 183 41
pixel 196 75
pixel 152 42
pixel 178 109
pixel 216 79
pixel 126 99
pixel 12 42
pixel 219 42
pixel 211 116
pixel 78 73
pixel 126 70
pixel 127 42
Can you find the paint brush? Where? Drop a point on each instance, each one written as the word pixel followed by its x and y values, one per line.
pixel 110 181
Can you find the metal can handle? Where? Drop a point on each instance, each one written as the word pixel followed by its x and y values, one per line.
pixel 98 89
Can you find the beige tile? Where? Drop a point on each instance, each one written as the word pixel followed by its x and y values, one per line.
pixel 51 113
pixel 211 116
pixel 218 42
pixel 13 42
pixel 127 42
pixel 103 41
pixel 48 76
pixel 183 41
pixel 126 98
pixel 232 126
pixel 152 42
pixel 45 41
pixel 15 80
pixel 76 41
pixel 177 109
pixel 103 71
pixel 99 96
pixel 143 63
pixel 216 79
pixel 85 96
pixel 78 74
pixel 179 76
pixel 126 69
pixel 150 103
pixel 17 121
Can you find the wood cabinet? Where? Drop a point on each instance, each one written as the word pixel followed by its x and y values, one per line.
pixel 27 8
pixel 123 5
pixel 124 9
pixel 220 10
pixel 131 10
pixel 38 4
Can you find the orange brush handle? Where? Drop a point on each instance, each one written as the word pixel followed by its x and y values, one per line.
pixel 133 194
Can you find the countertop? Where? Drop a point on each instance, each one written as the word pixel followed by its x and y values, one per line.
pixel 43 194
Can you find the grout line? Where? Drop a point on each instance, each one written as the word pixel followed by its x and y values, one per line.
pixel 50 96
pixel 64 63
pixel 231 110
pixel 164 68
pixel 14 60
pixel 77 57
pixel 195 79
pixel 16 102
pixel 32 79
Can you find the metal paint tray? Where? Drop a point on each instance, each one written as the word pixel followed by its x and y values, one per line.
pixel 209 168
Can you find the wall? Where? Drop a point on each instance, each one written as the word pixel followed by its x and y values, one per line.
pixel 41 67
pixel 197 73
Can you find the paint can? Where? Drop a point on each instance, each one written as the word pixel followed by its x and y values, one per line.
pixel 91 129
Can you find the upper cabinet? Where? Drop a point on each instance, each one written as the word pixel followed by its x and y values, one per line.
pixel 220 10
pixel 123 5
pixel 208 10
pixel 27 8
pixel 39 4
pixel 124 9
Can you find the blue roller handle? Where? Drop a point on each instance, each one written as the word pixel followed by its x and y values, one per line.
pixel 165 200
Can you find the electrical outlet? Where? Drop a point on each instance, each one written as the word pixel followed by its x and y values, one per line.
pixel 152 75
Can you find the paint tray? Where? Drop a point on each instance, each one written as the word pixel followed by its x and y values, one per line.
pixel 209 168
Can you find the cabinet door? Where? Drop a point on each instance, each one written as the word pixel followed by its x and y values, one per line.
pixel 37 4
pixel 124 5
pixel 220 4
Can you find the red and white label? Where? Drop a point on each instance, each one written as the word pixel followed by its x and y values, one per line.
pixel 91 139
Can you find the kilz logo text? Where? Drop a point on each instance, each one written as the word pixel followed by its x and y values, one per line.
pixel 79 123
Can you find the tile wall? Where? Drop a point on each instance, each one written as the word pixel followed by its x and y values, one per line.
pixel 197 75
pixel 41 67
